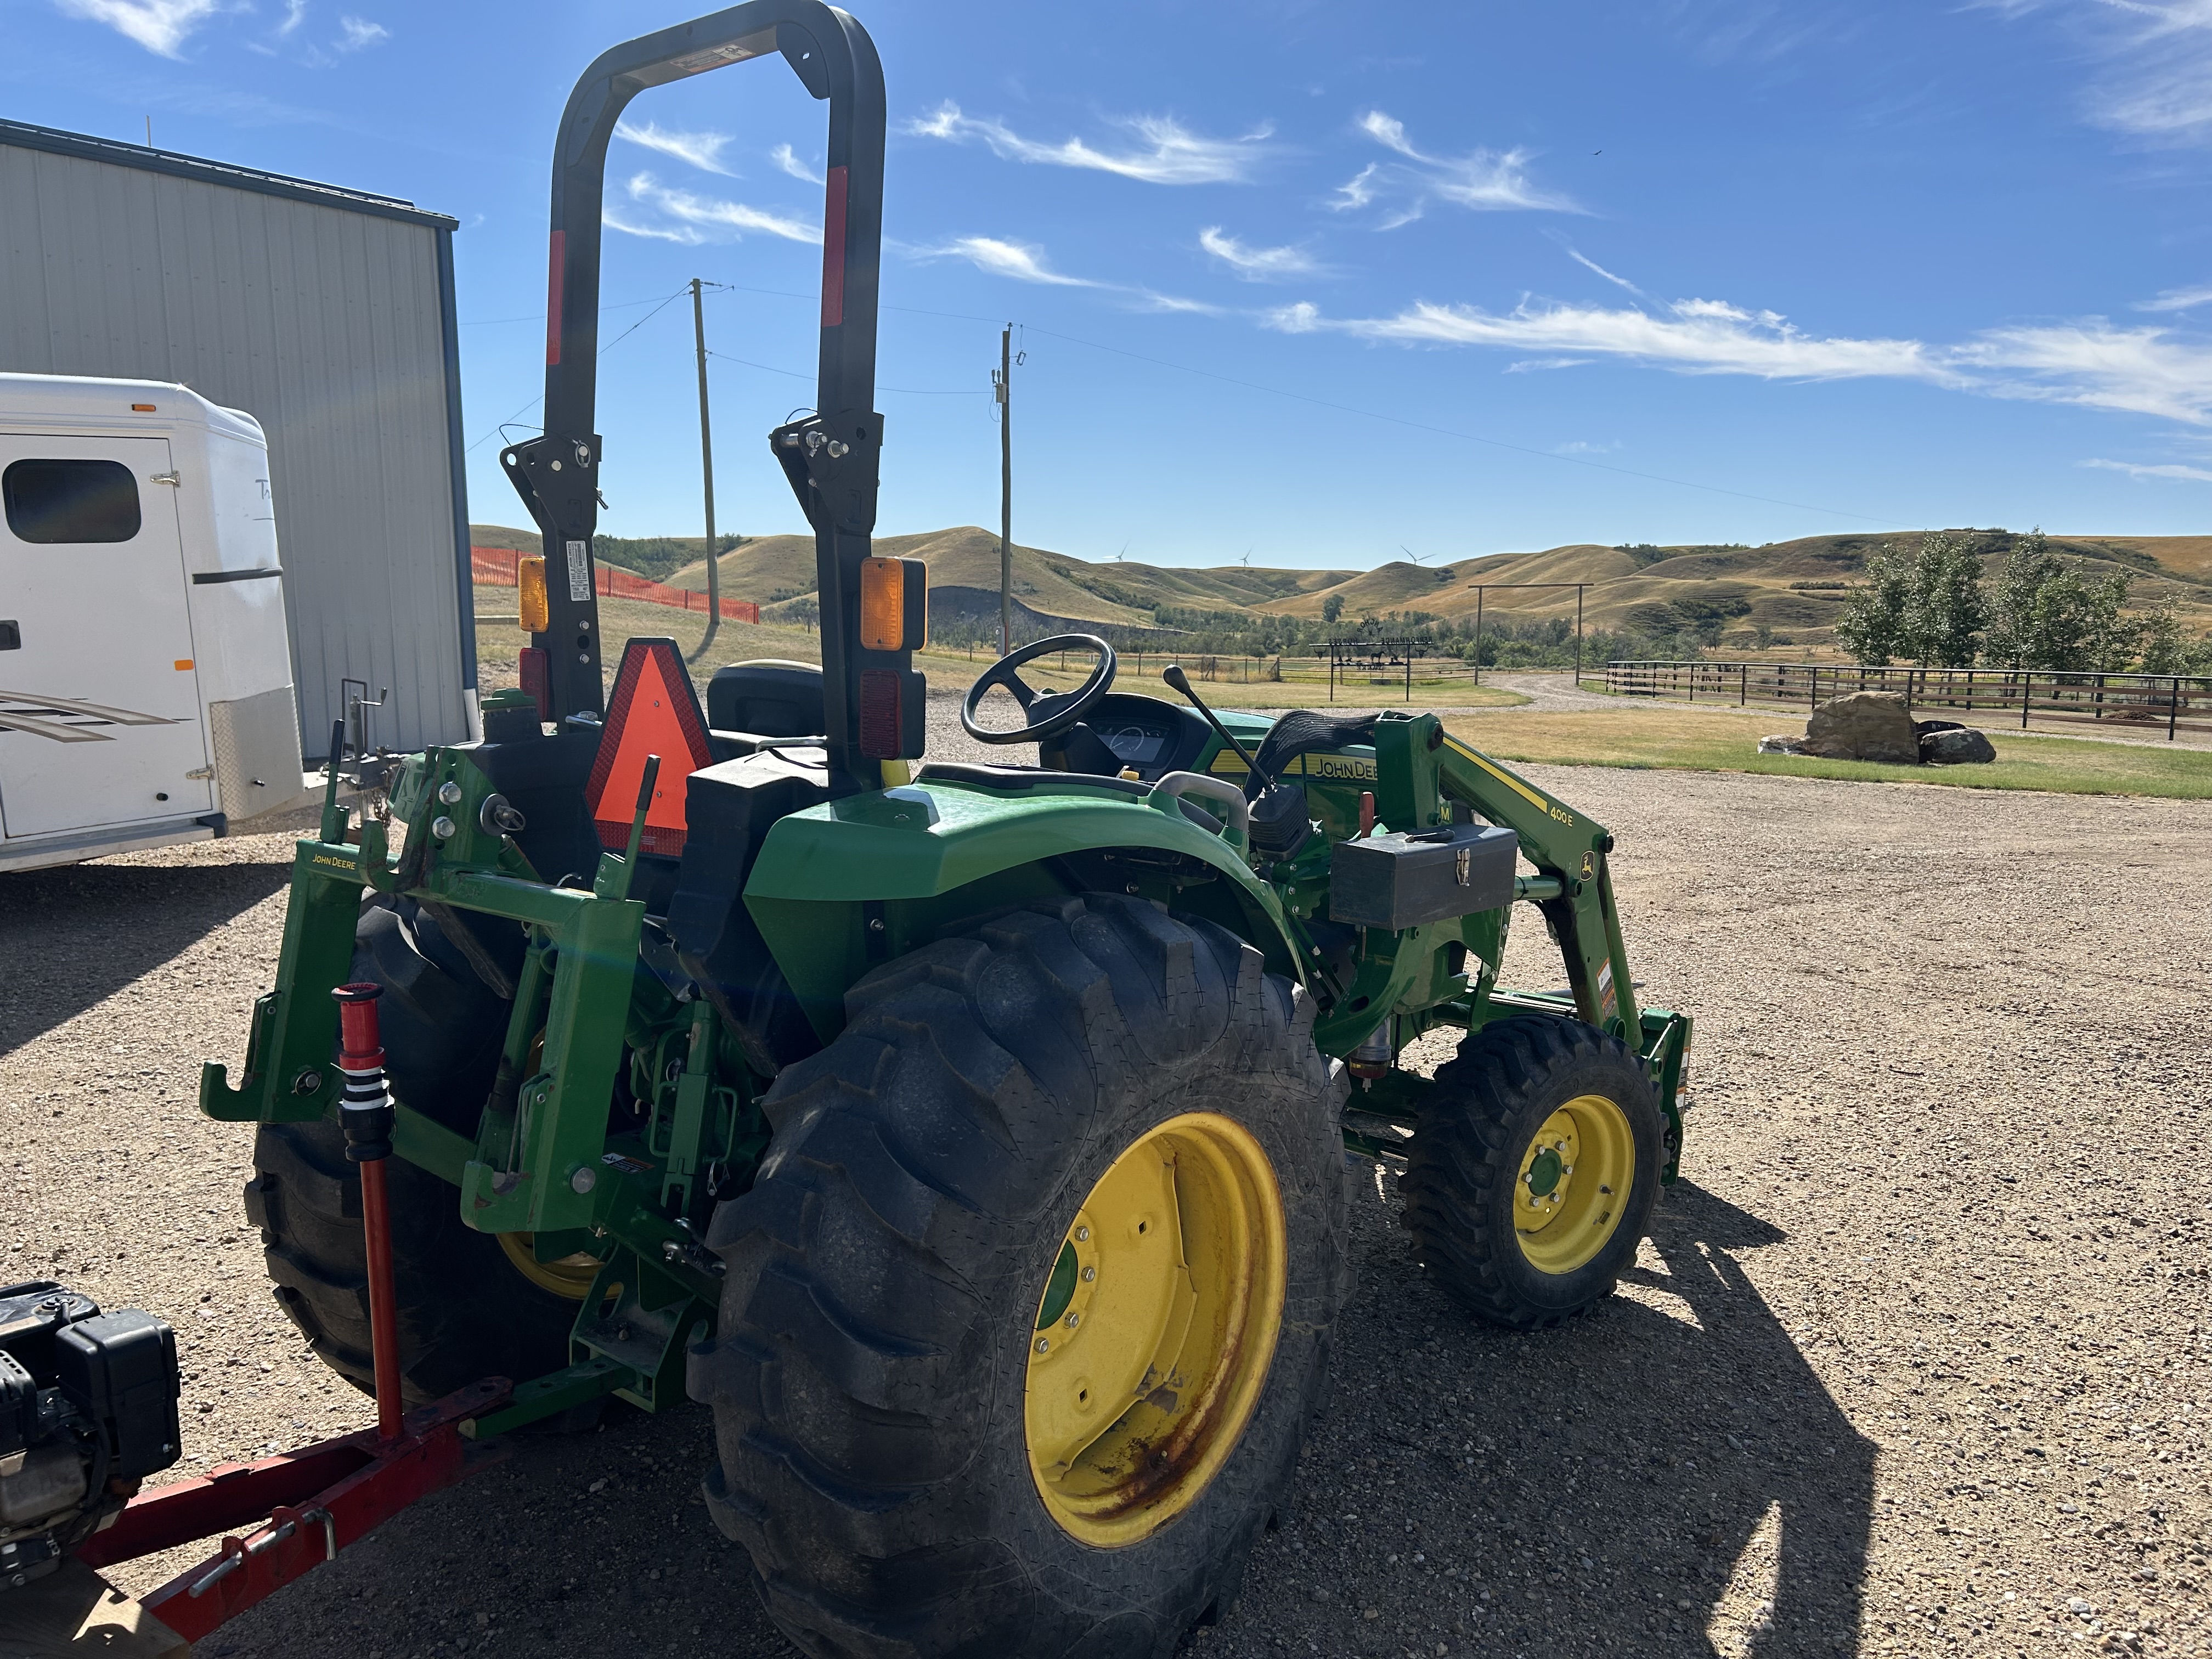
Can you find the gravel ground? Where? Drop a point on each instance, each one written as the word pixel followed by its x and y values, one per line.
pixel 1916 1361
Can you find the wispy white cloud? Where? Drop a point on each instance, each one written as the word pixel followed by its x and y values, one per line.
pixel 1486 180
pixel 2175 299
pixel 2171 469
pixel 683 236
pixel 1579 448
pixel 709 218
pixel 1705 336
pixel 2153 74
pixel 1166 151
pixel 1358 191
pixel 160 25
pixel 788 159
pixel 2159 83
pixel 1584 260
pixel 702 150
pixel 2145 371
pixel 1256 265
pixel 295 13
pixel 356 33
pixel 1023 262
pixel 1151 299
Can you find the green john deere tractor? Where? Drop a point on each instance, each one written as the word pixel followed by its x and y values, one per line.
pixel 969 1140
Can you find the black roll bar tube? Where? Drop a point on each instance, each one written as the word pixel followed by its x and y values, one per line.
pixel 831 457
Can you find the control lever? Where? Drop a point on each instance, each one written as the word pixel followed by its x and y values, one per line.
pixel 1178 680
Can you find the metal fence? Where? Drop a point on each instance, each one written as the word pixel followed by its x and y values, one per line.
pixel 2146 704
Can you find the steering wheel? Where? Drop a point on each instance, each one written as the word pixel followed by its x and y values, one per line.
pixel 1050 713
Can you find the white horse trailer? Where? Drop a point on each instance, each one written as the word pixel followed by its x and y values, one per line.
pixel 145 679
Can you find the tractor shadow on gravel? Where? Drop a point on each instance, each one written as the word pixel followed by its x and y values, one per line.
pixel 71 938
pixel 1639 1481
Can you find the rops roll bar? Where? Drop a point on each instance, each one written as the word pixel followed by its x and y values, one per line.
pixel 830 457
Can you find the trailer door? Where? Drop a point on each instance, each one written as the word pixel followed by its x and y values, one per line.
pixel 100 708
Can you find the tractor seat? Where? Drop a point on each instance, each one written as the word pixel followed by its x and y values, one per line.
pixel 752 705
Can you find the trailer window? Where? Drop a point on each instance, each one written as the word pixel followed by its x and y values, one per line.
pixel 71 501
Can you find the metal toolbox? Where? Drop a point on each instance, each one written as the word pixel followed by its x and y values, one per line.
pixel 1399 881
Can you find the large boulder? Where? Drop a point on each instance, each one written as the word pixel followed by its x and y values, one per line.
pixel 1956 745
pixel 1782 742
pixel 1866 726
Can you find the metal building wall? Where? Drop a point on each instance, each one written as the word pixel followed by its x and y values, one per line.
pixel 328 317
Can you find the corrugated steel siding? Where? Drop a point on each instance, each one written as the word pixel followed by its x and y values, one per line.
pixel 322 323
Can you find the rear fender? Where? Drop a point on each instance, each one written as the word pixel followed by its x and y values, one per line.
pixel 840 887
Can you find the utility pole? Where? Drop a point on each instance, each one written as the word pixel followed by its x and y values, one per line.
pixel 1003 383
pixel 1579 591
pixel 706 470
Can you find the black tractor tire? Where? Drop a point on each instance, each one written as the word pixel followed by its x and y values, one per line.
pixel 1465 1167
pixel 883 1274
pixel 466 1311
pixel 442 1025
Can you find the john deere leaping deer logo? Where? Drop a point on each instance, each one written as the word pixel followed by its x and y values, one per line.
pixel 65 720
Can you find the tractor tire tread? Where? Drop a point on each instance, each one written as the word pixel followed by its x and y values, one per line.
pixel 882 1231
pixel 1467 1150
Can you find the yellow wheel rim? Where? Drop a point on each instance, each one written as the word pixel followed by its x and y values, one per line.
pixel 568 1276
pixel 1573 1184
pixel 1155 1331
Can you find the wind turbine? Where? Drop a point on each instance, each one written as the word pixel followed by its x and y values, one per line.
pixel 1409 553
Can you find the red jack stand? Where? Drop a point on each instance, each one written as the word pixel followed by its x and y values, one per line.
pixel 312 1503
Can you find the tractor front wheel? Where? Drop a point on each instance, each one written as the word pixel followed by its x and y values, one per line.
pixel 1027 1310
pixel 1535 1169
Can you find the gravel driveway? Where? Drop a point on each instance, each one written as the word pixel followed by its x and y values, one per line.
pixel 1915 1362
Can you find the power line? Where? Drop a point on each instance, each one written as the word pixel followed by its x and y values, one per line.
pixel 904 391
pixel 540 317
pixel 603 351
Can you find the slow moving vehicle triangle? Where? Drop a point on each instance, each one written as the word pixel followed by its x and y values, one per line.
pixel 654 711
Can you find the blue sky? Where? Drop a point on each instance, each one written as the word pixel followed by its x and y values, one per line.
pixel 1315 283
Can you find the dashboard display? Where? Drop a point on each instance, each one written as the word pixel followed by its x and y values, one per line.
pixel 1132 746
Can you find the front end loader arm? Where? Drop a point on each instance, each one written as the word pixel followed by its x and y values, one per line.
pixel 1574 889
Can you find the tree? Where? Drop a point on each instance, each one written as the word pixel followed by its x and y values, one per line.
pixel 2012 636
pixel 2110 639
pixel 1332 608
pixel 2074 625
pixel 1944 610
pixel 2165 648
pixel 1874 612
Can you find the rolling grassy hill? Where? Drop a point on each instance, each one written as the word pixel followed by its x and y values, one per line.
pixel 1794 588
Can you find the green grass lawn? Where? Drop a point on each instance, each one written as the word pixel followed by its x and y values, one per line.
pixel 1694 740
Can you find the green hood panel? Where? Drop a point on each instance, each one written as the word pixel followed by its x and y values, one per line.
pixel 923 839
pixel 840 888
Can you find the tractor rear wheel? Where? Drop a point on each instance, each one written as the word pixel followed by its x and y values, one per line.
pixel 471 1304
pixel 1533 1173
pixel 467 1309
pixel 1025 1314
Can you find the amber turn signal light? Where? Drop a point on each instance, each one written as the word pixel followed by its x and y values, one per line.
pixel 882 605
pixel 530 588
pixel 894 605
